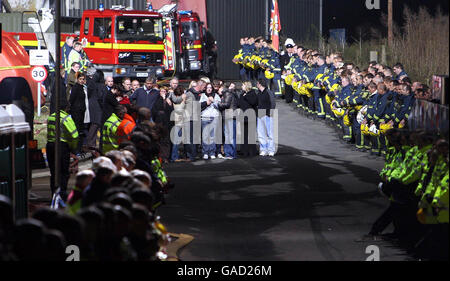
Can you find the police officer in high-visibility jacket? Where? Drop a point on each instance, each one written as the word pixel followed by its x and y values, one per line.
pixel 77 54
pixel 110 137
pixel 69 142
pixel 437 170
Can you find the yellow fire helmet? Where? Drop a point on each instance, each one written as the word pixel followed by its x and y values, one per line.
pixel 305 89
pixel 363 129
pixel 339 112
pixel 159 226
pixel 385 127
pixel 366 129
pixel 289 79
pixel 347 120
pixel 296 86
pixel 269 74
pixel 237 59
pixel 334 87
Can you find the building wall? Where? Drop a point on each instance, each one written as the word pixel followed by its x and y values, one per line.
pixel 231 20
pixel 198 6
pixel 75 8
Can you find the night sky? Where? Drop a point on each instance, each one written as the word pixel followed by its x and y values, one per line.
pixel 352 14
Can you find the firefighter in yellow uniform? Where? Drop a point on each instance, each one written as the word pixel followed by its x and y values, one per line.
pixel 110 138
pixel 69 142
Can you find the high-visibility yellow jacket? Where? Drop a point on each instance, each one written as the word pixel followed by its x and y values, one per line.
pixel 68 131
pixel 110 137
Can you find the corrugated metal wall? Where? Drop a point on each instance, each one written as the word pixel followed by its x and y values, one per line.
pixel 229 20
pixel 12 22
pixel 76 7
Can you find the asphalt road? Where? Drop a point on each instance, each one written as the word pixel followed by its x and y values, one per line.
pixel 309 202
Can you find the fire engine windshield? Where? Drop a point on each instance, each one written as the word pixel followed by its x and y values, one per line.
pixel 139 28
pixel 191 31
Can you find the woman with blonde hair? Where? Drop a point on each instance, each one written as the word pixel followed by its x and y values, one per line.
pixel 248 101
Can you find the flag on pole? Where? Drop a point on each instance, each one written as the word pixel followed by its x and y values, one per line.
pixel 275 25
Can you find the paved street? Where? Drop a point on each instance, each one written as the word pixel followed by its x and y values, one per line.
pixel 308 203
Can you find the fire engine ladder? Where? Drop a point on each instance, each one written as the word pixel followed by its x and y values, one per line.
pixel 36 26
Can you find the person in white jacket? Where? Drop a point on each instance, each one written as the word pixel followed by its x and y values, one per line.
pixel 209 116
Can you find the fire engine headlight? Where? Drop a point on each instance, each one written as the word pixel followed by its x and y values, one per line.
pixel 195 65
pixel 159 72
pixel 121 70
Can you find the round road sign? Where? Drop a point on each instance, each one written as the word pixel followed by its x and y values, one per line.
pixel 39 74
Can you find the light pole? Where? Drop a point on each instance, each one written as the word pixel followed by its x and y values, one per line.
pixel 390 32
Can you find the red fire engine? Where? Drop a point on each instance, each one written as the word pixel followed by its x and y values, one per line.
pixel 123 43
pixel 15 62
pixel 185 42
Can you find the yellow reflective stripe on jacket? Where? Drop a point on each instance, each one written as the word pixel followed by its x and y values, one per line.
pixel 69 133
pixel 110 133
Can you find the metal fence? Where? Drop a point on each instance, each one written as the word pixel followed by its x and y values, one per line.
pixel 429 116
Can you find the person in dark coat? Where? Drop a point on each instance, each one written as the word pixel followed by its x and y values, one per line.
pixel 145 96
pixel 78 106
pixel 248 103
pixel 62 94
pixel 161 115
pixel 71 79
pixel 109 101
pixel 95 110
pixel 229 101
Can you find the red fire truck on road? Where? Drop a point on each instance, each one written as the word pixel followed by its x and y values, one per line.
pixel 123 43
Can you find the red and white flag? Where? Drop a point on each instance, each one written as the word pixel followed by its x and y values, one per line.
pixel 275 25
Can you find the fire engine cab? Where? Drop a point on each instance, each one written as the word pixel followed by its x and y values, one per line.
pixel 123 43
pixel 185 41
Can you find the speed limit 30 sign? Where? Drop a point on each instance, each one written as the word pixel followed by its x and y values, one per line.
pixel 39 74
